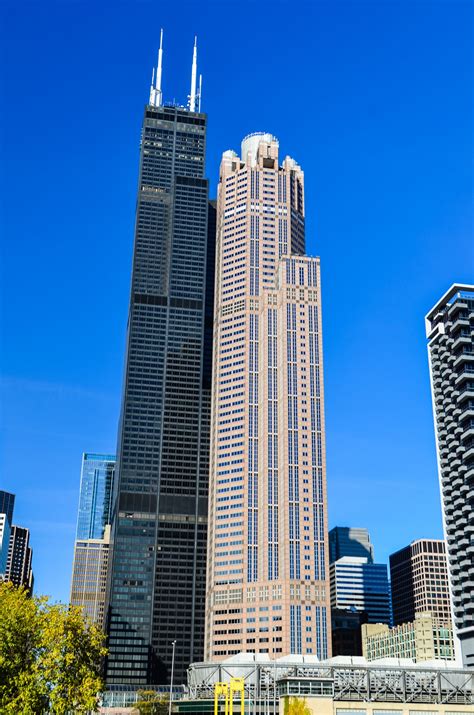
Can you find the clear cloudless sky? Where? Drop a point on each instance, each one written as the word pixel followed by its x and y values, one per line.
pixel 374 99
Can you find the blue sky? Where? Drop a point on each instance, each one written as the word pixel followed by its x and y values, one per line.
pixel 374 99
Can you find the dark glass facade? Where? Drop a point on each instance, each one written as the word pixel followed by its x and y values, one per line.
pixel 7 504
pixel 157 581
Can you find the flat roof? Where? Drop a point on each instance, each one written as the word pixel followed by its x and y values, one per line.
pixel 455 288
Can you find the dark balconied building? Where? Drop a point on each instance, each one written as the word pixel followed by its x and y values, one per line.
pixel 450 332
pixel 20 556
pixel 157 582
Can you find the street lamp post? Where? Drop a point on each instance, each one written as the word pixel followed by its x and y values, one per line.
pixel 172 674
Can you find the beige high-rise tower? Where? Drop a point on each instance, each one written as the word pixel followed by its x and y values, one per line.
pixel 267 587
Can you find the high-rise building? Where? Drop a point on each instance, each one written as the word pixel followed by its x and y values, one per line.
pixel 20 555
pixel 89 576
pixel 5 530
pixel 419 581
pixel 268 586
pixel 450 333
pixel 348 541
pixel 425 638
pixel 157 586
pixel 91 547
pixel 95 497
pixel 357 583
pixel 7 503
pixel 346 631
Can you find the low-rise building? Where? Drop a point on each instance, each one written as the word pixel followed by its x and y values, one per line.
pixel 425 638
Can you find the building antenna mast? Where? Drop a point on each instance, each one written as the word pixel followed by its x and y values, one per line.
pixel 159 69
pixel 152 89
pixel 200 93
pixel 192 96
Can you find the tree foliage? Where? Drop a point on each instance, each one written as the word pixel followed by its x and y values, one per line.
pixel 50 657
pixel 296 706
pixel 152 703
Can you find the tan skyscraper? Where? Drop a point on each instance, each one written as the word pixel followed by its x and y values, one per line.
pixel 267 588
pixel 89 576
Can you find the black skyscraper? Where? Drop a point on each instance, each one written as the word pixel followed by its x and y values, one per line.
pixel 157 582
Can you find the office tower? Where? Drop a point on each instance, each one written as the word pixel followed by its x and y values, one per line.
pixel 7 504
pixel 346 631
pixel 5 530
pixel 419 581
pixel 89 576
pixel 347 541
pixel 425 638
pixel 357 583
pixel 159 530
pixel 91 547
pixel 95 498
pixel 268 553
pixel 19 559
pixel 450 333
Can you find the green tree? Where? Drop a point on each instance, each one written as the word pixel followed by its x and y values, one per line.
pixel 152 703
pixel 50 656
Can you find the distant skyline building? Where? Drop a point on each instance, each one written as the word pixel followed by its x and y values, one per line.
pixel 268 579
pixel 358 583
pixel 159 534
pixel 91 546
pixel 7 503
pixel 89 576
pixel 425 638
pixel 5 530
pixel 450 333
pixel 346 631
pixel 95 496
pixel 20 556
pixel 350 541
pixel 419 581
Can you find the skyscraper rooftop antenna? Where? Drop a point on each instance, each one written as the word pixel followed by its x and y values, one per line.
pixel 158 93
pixel 200 92
pixel 152 88
pixel 192 95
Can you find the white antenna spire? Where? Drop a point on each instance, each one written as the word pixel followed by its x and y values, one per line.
pixel 158 94
pixel 200 93
pixel 192 96
pixel 152 89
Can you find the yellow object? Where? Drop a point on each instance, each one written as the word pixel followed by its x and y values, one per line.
pixel 236 685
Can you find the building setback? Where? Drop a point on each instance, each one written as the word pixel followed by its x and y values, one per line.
pixel 450 333
pixel 7 503
pixel 157 582
pixel 267 589
pixel 419 580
